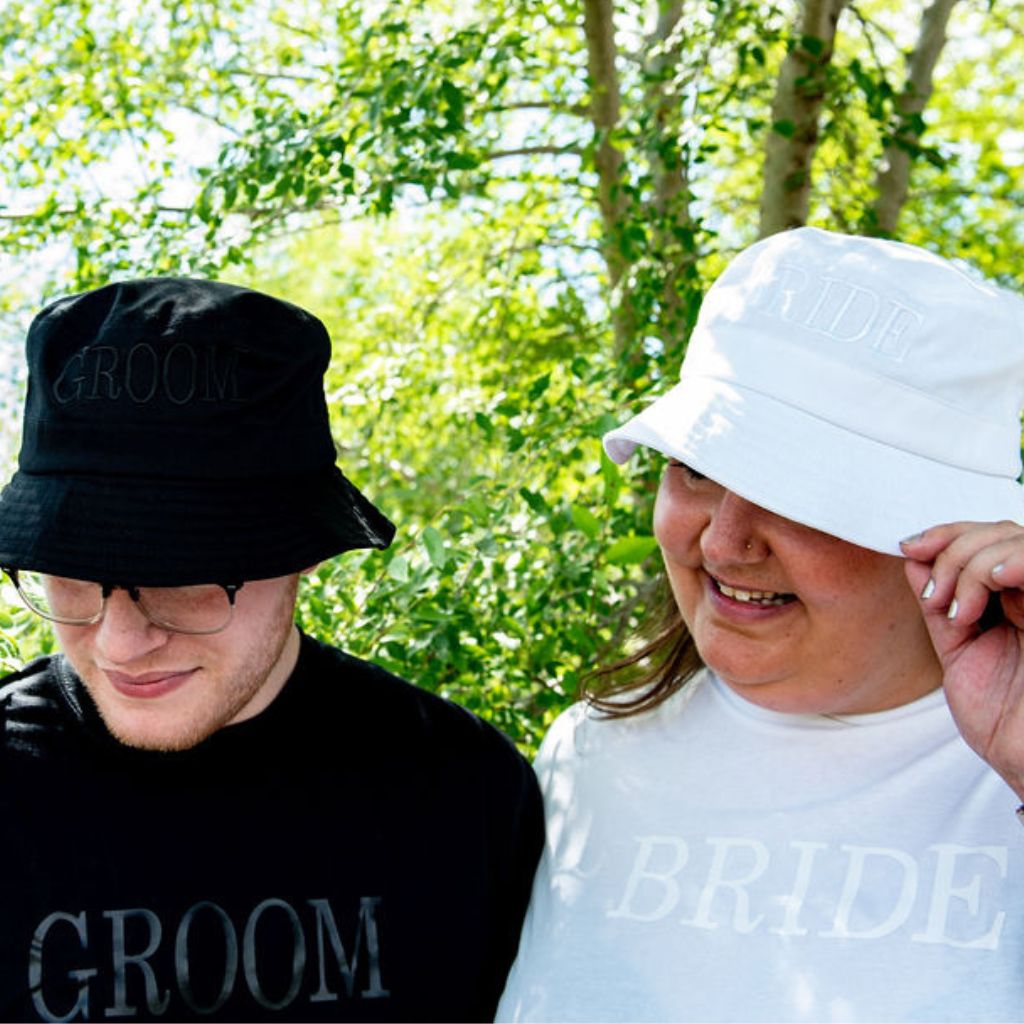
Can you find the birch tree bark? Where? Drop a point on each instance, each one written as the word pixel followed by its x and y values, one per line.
pixel 893 180
pixel 605 111
pixel 796 109
pixel 669 168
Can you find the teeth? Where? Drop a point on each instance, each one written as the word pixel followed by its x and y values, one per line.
pixel 764 597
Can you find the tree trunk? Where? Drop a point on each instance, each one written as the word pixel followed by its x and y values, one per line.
pixel 893 180
pixel 793 136
pixel 672 217
pixel 599 29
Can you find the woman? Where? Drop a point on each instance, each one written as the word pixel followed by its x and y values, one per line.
pixel 801 829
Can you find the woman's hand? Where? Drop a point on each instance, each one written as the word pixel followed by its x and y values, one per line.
pixel 969 578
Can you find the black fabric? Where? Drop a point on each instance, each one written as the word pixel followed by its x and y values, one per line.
pixel 154 396
pixel 361 850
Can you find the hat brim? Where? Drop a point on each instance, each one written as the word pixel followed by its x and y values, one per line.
pixel 151 532
pixel 809 470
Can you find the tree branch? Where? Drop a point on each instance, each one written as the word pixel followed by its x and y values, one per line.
pixel 796 108
pixel 278 19
pixel 599 28
pixel 893 180
pixel 871 28
pixel 539 150
pixel 69 211
pixel 265 76
pixel 671 176
pixel 605 102
pixel 212 118
pixel 575 109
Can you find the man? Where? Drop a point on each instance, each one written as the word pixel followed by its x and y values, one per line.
pixel 206 814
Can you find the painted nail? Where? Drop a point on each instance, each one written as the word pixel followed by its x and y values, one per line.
pixel 953 609
pixel 996 570
pixel 929 589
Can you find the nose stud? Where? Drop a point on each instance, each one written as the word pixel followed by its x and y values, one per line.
pixel 748 545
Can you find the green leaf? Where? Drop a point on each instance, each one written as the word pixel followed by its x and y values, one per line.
pixel 813 45
pixel 586 521
pixel 538 387
pixel 535 501
pixel 398 569
pixel 461 161
pixel 795 180
pixel 434 543
pixel 607 422
pixel 454 98
pixel 631 550
pixel 612 477
pixel 785 128
pixel 485 424
pixel 487 545
pixel 477 508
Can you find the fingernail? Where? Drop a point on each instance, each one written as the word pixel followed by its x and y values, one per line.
pixel 929 589
pixel 912 538
pixel 953 609
pixel 998 569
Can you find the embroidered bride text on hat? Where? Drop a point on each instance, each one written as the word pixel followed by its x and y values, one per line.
pixel 839 309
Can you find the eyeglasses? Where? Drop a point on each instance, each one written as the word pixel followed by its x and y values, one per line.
pixel 197 610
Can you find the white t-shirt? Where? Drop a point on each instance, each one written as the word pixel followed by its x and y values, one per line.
pixel 715 861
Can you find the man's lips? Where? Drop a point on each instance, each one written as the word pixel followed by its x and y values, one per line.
pixel 147 684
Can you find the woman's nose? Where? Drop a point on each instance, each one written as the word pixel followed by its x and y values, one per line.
pixel 733 531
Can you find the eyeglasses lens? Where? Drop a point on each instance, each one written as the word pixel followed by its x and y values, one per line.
pixel 60 598
pixel 205 608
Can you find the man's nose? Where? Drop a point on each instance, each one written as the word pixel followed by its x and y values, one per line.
pixel 124 634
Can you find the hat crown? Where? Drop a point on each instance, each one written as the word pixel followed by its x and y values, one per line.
pixel 879 337
pixel 176 432
pixel 175 377
pixel 862 387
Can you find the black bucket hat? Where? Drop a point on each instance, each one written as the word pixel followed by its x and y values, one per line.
pixel 176 432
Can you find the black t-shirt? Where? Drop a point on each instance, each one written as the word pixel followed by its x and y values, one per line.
pixel 361 850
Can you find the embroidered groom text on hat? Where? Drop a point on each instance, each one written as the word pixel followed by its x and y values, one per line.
pixel 182 374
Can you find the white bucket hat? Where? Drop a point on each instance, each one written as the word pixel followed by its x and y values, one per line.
pixel 866 388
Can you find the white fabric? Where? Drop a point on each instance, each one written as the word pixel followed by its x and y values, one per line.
pixel 714 861
pixel 826 371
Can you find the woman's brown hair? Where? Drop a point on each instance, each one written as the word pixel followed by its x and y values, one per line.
pixel 666 660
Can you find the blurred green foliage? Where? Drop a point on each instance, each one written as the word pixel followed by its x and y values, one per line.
pixel 425 178
pixel 470 408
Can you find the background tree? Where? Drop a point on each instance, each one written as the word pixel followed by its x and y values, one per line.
pixel 507 215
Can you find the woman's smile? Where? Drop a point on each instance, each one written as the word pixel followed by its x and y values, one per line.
pixel 791 618
pixel 732 594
